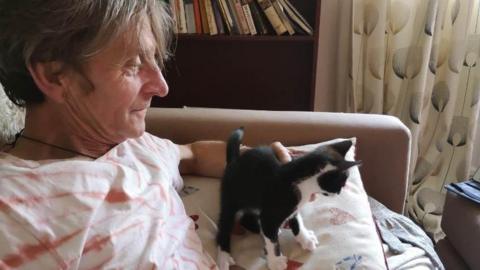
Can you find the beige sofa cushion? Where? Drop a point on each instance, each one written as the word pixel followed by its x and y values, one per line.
pixel 343 225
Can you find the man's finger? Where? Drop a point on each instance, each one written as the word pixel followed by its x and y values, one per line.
pixel 281 152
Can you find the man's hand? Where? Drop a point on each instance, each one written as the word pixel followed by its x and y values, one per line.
pixel 281 152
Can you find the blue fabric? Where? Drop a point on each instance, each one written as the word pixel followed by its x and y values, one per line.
pixel 469 189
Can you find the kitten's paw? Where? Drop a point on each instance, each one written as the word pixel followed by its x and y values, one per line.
pixel 224 260
pixel 307 239
pixel 277 262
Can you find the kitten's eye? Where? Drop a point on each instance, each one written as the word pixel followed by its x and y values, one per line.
pixel 325 194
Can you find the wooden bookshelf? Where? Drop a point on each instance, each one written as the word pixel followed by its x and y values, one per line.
pixel 245 72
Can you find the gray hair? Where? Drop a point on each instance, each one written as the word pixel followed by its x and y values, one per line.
pixel 70 31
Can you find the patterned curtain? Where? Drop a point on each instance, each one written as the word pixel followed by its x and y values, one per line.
pixel 417 60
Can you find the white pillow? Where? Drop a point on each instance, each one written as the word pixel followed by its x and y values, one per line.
pixel 343 224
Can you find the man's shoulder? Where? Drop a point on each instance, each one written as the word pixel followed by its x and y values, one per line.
pixel 151 142
pixel 151 146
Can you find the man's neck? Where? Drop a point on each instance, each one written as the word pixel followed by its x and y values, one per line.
pixel 50 126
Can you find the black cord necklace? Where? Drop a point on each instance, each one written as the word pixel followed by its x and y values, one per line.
pixel 51 145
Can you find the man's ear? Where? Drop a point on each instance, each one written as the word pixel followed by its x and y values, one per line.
pixel 48 77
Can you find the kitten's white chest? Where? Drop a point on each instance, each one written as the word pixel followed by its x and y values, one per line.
pixel 308 188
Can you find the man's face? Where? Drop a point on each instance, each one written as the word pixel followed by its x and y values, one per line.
pixel 125 77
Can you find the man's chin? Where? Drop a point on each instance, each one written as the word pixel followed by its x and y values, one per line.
pixel 134 133
pixel 130 132
pixel 137 131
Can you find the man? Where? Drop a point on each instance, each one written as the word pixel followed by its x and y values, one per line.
pixel 84 186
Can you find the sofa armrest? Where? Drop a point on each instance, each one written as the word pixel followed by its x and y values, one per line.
pixel 383 141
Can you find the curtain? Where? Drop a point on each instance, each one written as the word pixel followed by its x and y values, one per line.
pixel 417 60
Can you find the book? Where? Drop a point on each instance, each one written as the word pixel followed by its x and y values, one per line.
pixel 190 16
pixel 198 16
pixel 182 17
pixel 272 16
pixel 173 9
pixel 283 17
pixel 469 189
pixel 203 14
pixel 296 17
pixel 227 17
pixel 218 17
pixel 241 17
pixel 248 16
pixel 236 29
pixel 212 25
pixel 261 24
pixel 297 28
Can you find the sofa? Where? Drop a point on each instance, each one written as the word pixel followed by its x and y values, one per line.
pixel 383 141
pixel 382 144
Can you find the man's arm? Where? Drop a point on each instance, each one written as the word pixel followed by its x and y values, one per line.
pixel 207 158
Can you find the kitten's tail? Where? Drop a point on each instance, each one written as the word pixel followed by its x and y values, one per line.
pixel 233 144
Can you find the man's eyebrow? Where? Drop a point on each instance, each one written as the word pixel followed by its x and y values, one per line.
pixel 147 51
pixel 139 52
pixel 149 55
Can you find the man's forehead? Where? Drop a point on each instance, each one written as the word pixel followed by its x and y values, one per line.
pixel 132 43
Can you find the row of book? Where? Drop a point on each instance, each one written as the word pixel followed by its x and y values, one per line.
pixel 238 17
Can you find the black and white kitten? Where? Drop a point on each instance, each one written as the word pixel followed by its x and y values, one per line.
pixel 267 193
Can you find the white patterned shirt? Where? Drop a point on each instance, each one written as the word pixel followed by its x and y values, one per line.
pixel 118 211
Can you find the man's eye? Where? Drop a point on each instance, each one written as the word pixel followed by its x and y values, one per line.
pixel 135 67
pixel 132 69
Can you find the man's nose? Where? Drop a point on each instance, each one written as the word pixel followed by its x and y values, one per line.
pixel 156 82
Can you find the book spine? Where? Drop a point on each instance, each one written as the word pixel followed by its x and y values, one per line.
pixel 212 26
pixel 190 16
pixel 248 16
pixel 236 29
pixel 203 13
pixel 283 17
pixel 241 17
pixel 296 16
pixel 226 15
pixel 198 16
pixel 218 17
pixel 258 19
pixel 272 16
pixel 183 19
pixel 173 8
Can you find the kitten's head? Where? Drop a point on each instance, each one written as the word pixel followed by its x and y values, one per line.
pixel 334 172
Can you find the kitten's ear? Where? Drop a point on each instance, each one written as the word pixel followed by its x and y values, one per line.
pixel 345 164
pixel 342 147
